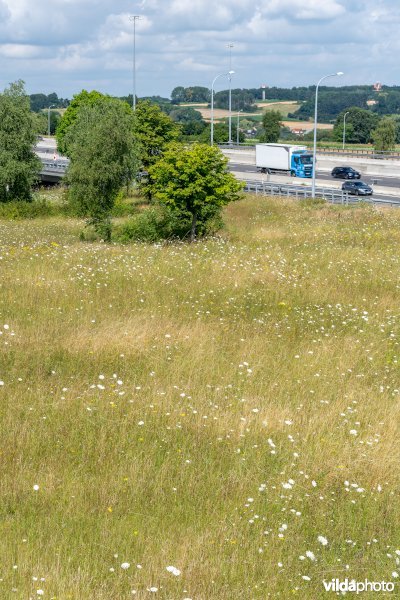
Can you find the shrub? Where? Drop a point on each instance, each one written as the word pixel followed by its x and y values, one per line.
pixel 159 222
pixel 21 209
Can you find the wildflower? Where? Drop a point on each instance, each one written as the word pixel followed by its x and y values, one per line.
pixel 125 565
pixel 310 555
pixel 322 540
pixel 173 570
pixel 36 487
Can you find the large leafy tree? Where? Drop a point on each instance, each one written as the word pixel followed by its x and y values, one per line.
pixel 384 135
pixel 104 157
pixel 84 98
pixel 19 165
pixel 359 125
pixel 194 180
pixel 155 130
pixel 272 123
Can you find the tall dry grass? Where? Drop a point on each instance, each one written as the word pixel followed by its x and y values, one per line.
pixel 214 407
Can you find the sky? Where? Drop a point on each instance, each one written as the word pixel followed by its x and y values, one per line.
pixel 65 46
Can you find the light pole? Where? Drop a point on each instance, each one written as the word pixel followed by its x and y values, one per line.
pixel 344 129
pixel 230 46
pixel 134 18
pixel 212 102
pixel 339 73
pixel 48 118
pixel 237 129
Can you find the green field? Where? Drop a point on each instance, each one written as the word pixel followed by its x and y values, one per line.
pixel 228 408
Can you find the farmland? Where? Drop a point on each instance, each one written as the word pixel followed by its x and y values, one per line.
pixel 212 421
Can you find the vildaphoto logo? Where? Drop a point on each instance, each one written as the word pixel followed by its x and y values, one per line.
pixel 358 587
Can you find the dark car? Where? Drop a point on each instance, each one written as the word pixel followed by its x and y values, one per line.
pixel 359 188
pixel 345 173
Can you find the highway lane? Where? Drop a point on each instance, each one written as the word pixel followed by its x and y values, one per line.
pixel 384 180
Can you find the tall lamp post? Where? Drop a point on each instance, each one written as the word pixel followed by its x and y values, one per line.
pixel 344 129
pixel 134 18
pixel 212 102
pixel 48 118
pixel 339 73
pixel 230 46
pixel 237 129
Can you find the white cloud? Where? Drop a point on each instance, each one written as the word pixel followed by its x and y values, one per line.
pixel 64 45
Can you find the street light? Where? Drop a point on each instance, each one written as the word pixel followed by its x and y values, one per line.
pixel 344 129
pixel 237 129
pixel 134 18
pixel 212 102
pixel 338 74
pixel 230 46
pixel 48 118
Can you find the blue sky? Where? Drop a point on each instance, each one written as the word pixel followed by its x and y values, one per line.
pixel 67 45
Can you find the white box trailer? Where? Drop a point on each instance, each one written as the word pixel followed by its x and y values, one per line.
pixel 286 158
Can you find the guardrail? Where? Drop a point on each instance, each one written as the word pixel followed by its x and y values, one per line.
pixel 370 153
pixel 57 167
pixel 331 195
pixel 360 152
pixel 299 192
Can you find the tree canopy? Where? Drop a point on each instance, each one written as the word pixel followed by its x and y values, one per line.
pixel 384 136
pixel 84 98
pixel 19 165
pixel 155 130
pixel 194 180
pixel 272 123
pixel 104 157
pixel 359 125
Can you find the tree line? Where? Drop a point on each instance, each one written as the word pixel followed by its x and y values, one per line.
pixel 331 101
pixel 110 146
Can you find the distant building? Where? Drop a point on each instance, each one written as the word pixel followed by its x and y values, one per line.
pixel 298 131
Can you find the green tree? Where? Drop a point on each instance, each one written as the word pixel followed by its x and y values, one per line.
pixel 84 98
pixel 19 165
pixel 194 180
pixel 272 123
pixel 104 157
pixel 40 123
pixel 55 119
pixel 178 94
pixel 155 130
pixel 384 135
pixel 359 125
pixel 185 115
pixel 220 134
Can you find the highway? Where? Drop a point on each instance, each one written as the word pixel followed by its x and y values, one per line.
pixel 389 192
pixel 384 180
pixel 386 186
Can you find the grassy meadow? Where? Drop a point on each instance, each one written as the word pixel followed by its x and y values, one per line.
pixel 228 409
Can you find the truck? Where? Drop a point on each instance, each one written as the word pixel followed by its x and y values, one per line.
pixel 284 158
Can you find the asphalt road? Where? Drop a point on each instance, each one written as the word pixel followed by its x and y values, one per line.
pixel 249 172
pixel 384 180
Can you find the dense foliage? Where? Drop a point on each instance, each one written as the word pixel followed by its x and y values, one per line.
pixel 272 124
pixel 359 125
pixel 19 165
pixel 155 130
pixel 84 98
pixel 384 136
pixel 104 157
pixel 190 94
pixel 194 181
pixel 39 102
